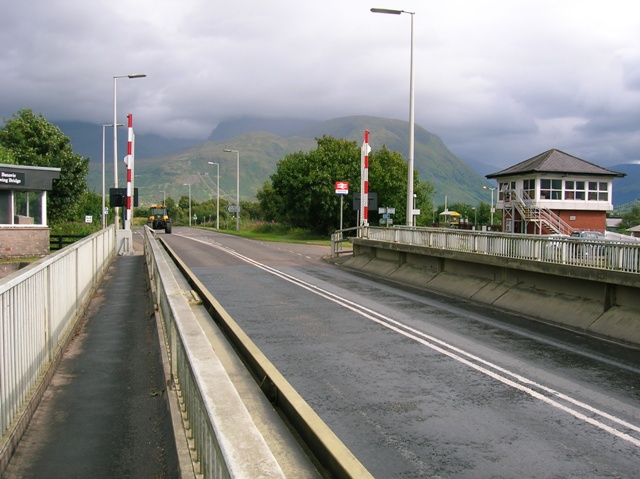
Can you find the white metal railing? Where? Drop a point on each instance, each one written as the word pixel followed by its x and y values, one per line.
pixel 38 309
pixel 224 441
pixel 607 254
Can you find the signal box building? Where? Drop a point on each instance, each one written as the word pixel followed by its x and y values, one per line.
pixel 554 193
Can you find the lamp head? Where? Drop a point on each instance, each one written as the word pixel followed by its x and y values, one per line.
pixel 386 10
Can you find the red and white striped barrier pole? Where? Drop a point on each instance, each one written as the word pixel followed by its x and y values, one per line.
pixel 364 179
pixel 129 161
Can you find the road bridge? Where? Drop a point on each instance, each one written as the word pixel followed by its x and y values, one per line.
pixel 386 381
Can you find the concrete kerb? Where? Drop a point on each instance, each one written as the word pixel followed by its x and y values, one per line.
pixel 185 463
pixel 244 450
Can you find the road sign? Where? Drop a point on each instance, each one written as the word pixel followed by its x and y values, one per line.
pixel 372 199
pixel 342 188
pixel 233 209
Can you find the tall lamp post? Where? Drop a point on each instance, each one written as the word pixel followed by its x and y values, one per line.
pixel 189 185
pixel 492 208
pixel 104 220
pixel 217 193
pixel 237 186
pixel 410 210
pixel 115 135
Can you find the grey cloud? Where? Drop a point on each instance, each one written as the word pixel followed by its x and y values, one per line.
pixel 493 84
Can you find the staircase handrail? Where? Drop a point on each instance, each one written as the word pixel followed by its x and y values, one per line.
pixel 526 206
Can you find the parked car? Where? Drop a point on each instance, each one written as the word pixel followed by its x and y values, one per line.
pixel 555 247
pixel 591 235
pixel 591 244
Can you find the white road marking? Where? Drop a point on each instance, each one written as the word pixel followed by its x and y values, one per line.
pixel 492 370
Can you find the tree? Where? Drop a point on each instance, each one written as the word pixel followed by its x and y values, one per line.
pixel 6 156
pixel 388 178
pixel 251 211
pixel 90 204
pixel 33 141
pixel 270 202
pixel 305 182
pixel 301 193
pixel 630 219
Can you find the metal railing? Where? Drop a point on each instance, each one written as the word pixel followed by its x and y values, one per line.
pixel 612 255
pixel 339 238
pixel 540 215
pixel 223 440
pixel 39 308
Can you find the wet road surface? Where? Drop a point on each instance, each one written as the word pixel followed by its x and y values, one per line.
pixel 423 385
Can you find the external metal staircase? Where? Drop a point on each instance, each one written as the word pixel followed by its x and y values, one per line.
pixel 542 217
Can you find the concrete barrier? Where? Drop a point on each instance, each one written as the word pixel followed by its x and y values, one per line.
pixel 224 440
pixel 602 303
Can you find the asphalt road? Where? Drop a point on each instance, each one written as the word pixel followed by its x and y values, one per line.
pixel 422 385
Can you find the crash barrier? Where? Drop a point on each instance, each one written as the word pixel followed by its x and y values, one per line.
pixel 40 306
pixel 225 440
pixel 611 255
pixel 567 289
pixel 222 437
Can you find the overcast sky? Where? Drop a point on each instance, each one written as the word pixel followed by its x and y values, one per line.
pixel 498 80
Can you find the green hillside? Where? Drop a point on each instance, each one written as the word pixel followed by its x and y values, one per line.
pixel 260 152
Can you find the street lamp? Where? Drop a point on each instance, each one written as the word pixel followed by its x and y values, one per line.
pixel 217 193
pixel 410 211
pixel 484 187
pixel 103 158
pixel 237 186
pixel 189 185
pixel 115 135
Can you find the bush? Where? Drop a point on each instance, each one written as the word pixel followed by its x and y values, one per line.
pixel 269 228
pixel 74 228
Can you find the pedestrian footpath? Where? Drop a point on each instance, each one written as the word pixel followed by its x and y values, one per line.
pixel 105 413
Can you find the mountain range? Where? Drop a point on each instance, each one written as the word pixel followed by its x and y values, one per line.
pixel 178 167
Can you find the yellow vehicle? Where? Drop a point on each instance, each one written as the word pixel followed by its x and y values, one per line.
pixel 159 218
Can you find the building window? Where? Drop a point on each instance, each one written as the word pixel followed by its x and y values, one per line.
pixel 598 191
pixel 550 189
pixel 511 185
pixel 574 190
pixel 529 188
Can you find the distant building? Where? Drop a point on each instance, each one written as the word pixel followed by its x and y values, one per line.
pixel 613 223
pixel 554 193
pixel 23 210
pixel 635 231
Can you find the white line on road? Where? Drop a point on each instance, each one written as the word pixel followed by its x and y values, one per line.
pixel 496 372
